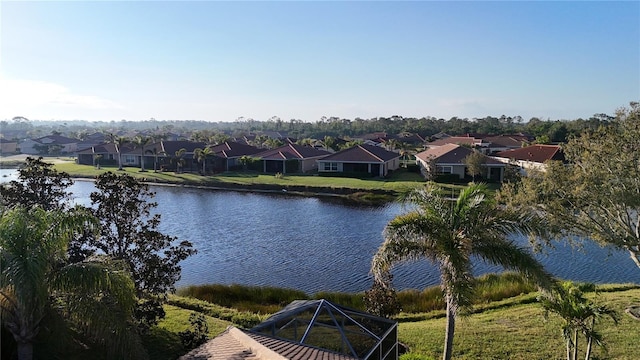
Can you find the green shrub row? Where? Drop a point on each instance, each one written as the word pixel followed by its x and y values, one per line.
pixel 243 319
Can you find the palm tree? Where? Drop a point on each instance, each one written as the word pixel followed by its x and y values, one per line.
pixel 179 160
pixel 96 296
pixel 120 141
pixel 142 141
pixel 448 233
pixel 201 155
pixel 579 315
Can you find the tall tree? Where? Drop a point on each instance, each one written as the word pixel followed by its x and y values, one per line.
pixel 129 232
pixel 448 233
pixel 95 296
pixel 474 163
pixel 38 184
pixel 597 194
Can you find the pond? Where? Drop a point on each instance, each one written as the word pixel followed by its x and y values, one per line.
pixel 314 244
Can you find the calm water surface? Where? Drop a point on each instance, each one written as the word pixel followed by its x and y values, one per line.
pixel 314 244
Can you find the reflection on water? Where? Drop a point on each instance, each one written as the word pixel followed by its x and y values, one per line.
pixel 314 245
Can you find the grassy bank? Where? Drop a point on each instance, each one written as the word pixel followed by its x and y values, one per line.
pixel 510 328
pixel 367 191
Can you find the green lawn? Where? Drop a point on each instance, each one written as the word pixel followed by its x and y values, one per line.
pixel 521 332
pixel 400 181
pixel 512 330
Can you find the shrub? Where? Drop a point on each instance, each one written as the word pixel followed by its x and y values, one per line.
pixel 197 335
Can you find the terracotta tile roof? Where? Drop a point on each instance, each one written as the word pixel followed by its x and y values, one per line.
pixel 292 351
pixel 363 153
pixel 534 153
pixel 236 344
pixel 232 344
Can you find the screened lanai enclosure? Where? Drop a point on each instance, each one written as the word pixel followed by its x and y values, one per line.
pixel 324 325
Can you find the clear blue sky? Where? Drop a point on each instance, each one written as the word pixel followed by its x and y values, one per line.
pixel 217 61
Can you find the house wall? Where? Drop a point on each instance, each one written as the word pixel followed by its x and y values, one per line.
pixel 524 165
pixel 8 147
pixel 26 147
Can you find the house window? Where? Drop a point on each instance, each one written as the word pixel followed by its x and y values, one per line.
pixel 330 166
pixel 129 159
pixel 444 169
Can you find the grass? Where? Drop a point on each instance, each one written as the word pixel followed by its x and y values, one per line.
pixel 264 300
pixel 519 331
pixel 512 328
pixel 399 182
pixel 163 341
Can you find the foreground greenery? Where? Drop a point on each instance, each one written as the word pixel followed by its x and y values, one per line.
pixel 448 233
pixel 511 328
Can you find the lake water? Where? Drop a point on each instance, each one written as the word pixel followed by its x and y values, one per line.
pixel 316 244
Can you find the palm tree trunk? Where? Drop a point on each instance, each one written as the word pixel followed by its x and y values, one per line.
pixel 587 355
pixel 575 345
pixel 451 324
pixel 119 160
pixel 25 350
pixel 569 348
pixel 142 159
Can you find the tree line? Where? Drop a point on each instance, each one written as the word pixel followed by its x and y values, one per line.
pixel 545 129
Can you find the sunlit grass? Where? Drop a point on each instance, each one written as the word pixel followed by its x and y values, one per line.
pixel 519 331
pixel 399 182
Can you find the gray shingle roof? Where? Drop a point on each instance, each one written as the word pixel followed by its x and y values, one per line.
pixel 363 153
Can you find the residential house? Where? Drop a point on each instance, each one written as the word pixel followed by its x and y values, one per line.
pixel 506 142
pixel 108 153
pixel 291 158
pixel 229 154
pixel 361 159
pixel 307 330
pixel 531 157
pixel 450 159
pixel 8 147
pixel 166 152
pixel 49 144
pixel 468 141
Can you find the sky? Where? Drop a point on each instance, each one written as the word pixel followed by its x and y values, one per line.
pixel 220 61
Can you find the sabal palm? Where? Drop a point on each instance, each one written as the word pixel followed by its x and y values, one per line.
pixel 448 233
pixel 96 296
pixel 202 155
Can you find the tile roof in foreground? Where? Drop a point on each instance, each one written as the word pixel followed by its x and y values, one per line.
pixel 237 344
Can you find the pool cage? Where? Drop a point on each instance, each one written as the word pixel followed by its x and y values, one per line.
pixel 324 325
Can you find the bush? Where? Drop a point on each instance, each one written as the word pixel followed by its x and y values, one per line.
pixel 245 298
pixel 381 299
pixel 197 335
pixel 240 318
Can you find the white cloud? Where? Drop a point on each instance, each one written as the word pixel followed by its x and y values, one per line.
pixel 46 99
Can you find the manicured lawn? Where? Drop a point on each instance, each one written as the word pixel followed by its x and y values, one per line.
pixel 401 181
pixel 508 329
pixel 521 332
